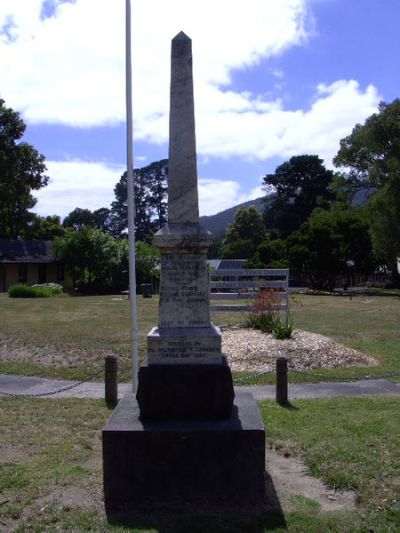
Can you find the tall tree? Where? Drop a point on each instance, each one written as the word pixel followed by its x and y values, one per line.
pixel 22 169
pixel 328 242
pixel 301 185
pixel 372 154
pixel 93 259
pixel 44 228
pixel 150 189
pixel 244 235
pixel 80 218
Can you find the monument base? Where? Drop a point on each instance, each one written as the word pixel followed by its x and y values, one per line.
pixel 153 464
pixel 185 391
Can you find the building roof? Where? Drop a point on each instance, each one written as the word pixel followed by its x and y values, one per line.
pixel 231 264
pixel 20 251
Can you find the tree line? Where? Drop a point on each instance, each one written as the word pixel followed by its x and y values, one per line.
pixel 311 223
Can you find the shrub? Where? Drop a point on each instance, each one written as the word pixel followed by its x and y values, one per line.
pixel 54 287
pixel 282 330
pixel 25 291
pixel 263 314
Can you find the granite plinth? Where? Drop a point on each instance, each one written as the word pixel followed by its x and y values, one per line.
pixel 175 463
pixel 185 391
pixel 187 345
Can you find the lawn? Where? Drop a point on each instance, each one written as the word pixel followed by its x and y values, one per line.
pixel 68 337
pixel 50 468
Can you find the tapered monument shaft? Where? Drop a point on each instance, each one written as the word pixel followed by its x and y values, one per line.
pixel 183 205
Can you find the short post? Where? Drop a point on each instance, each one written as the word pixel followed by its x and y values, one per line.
pixel 146 290
pixel 281 381
pixel 111 379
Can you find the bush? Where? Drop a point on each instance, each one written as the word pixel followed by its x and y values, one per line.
pixel 54 287
pixel 262 321
pixel 282 330
pixel 263 314
pixel 25 291
pixel 265 317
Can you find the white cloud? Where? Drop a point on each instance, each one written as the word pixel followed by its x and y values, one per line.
pixel 69 68
pixel 276 132
pixel 89 185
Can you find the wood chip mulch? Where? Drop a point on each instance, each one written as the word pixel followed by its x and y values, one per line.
pixel 250 350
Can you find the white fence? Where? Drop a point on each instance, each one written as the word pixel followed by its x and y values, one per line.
pixel 245 284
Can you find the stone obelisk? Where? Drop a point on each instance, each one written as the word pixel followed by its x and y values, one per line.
pixel 185 374
pixel 182 441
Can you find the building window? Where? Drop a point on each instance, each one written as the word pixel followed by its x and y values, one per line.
pixel 42 270
pixel 22 273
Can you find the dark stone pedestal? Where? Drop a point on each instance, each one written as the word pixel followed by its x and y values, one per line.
pixel 185 391
pixel 174 463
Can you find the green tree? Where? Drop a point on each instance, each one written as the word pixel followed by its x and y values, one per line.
pixel 80 218
pixel 301 184
pixel 150 189
pixel 147 260
pixel 372 154
pixel 270 254
pixel 44 228
pixel 244 235
pixel 324 246
pixel 22 170
pixel 93 258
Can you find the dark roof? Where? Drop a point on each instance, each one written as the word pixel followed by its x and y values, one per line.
pixel 229 264
pixel 20 251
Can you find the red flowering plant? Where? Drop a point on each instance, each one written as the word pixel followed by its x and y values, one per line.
pixel 265 311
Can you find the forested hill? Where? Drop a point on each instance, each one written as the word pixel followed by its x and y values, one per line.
pixel 218 223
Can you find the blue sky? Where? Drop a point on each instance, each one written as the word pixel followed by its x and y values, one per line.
pixel 272 79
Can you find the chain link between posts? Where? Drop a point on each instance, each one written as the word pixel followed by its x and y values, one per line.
pixel 53 392
pixel 327 377
pixel 236 381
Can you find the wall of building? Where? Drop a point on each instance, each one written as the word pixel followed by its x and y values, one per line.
pixel 9 275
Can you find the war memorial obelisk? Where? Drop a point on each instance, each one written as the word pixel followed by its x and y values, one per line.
pixel 185 438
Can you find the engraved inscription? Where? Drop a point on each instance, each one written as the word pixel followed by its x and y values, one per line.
pixel 184 299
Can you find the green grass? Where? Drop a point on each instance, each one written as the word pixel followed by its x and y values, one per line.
pixel 52 448
pixel 68 337
pixel 350 444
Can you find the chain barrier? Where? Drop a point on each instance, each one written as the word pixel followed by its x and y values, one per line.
pixel 236 381
pixel 327 377
pixel 344 376
pixel 52 393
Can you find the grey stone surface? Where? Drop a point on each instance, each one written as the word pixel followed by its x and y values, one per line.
pixel 185 391
pixel 185 334
pixel 174 345
pixel 175 462
pixel 183 203
pixel 184 293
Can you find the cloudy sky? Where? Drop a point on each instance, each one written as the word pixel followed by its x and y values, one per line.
pixel 272 79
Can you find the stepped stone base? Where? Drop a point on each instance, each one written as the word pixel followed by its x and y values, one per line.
pixel 175 463
pixel 185 391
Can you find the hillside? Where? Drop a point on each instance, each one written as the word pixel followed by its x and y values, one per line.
pixel 218 223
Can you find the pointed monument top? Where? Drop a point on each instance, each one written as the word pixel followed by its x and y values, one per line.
pixel 181 37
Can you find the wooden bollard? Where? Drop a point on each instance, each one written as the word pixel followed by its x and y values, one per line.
pixel 111 379
pixel 281 381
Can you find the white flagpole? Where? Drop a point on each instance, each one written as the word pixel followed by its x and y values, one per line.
pixel 131 202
